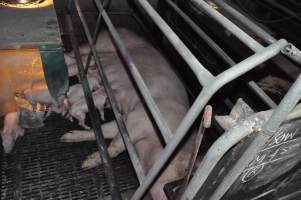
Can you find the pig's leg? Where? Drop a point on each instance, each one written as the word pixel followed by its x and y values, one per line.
pixel 11 131
pixel 115 148
pixel 109 130
pixel 136 123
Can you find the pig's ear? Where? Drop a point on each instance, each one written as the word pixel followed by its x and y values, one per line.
pixel 225 122
pixel 241 110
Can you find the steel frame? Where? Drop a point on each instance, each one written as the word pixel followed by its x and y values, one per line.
pixel 211 84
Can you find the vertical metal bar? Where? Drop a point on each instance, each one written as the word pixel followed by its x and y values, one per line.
pixel 119 120
pixel 262 95
pixel 203 75
pixel 96 30
pixel 256 29
pixel 129 63
pixel 230 26
pixel 95 118
pixel 199 104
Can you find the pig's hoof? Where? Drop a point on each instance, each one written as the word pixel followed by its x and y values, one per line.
pixel 92 161
pixel 9 136
pixel 8 142
pixel 72 136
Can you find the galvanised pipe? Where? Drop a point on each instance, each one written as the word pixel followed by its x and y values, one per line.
pixel 214 46
pixel 269 129
pixel 224 143
pixel 127 60
pixel 202 74
pixel 203 98
pixel 228 25
pixel 256 29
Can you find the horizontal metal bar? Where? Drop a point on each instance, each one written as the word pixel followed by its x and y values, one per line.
pixel 119 120
pixel 230 26
pixel 269 129
pixel 95 118
pixel 249 63
pixel 214 46
pixel 202 74
pixel 128 62
pixel 256 29
pixel 203 98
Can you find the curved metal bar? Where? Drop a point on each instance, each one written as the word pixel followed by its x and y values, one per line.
pixel 199 104
pixel 256 29
pixel 225 143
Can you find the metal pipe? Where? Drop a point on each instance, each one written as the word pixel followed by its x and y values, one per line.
pixel 199 104
pixel 203 75
pixel 95 118
pixel 96 30
pixel 250 62
pixel 269 129
pixel 230 26
pixel 128 62
pixel 255 28
pixel 119 120
pixel 223 144
pixel 285 10
pixel 286 105
pixel 214 46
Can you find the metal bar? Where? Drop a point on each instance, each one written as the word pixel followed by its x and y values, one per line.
pixel 230 26
pixel 205 124
pixel 285 10
pixel 96 30
pixel 278 116
pixel 127 60
pixel 223 144
pixel 198 105
pixel 203 75
pixel 262 95
pixel 214 46
pixel 119 120
pixel 285 106
pixel 95 118
pixel 255 28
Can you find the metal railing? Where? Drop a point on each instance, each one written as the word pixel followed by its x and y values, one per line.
pixel 211 84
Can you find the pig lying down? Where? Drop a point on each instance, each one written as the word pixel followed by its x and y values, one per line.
pixel 168 93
